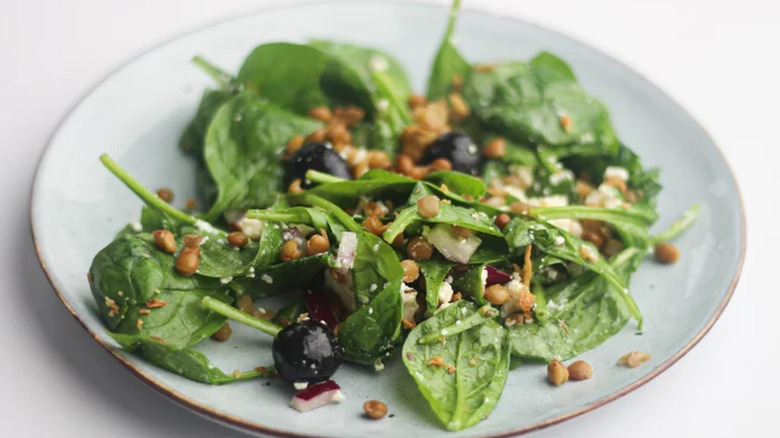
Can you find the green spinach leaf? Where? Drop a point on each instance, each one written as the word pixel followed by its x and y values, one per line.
pixel 434 271
pixel 476 362
pixel 448 62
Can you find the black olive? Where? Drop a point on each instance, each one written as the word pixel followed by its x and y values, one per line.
pixel 457 147
pixel 307 351
pixel 317 156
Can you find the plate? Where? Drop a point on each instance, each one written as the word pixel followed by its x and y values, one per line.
pixel 138 112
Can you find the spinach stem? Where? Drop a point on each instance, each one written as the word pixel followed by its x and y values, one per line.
pixel 322 177
pixel 680 225
pixel 151 199
pixel 583 212
pixel 246 375
pixel 275 216
pixel 223 78
pixel 335 210
pixel 231 312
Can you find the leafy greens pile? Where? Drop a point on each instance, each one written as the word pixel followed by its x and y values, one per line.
pixel 562 214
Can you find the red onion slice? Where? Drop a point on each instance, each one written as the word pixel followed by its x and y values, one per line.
pixel 320 307
pixel 494 276
pixel 318 395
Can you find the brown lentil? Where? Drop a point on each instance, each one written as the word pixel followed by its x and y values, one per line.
pixel 557 373
pixel 165 241
pixel 321 113
pixel 375 409
pixel 190 204
pixel 223 334
pixel 441 164
pixel 457 82
pixel 593 238
pixel 580 370
pixel 459 110
pixel 417 173
pixel 411 270
pixel 419 249
pixel 317 136
pixel 378 160
pixel 294 144
pixel 165 194
pixel 666 253
pixel 245 304
pixel 187 261
pixel 519 207
pixel 502 220
pixel 583 189
pixel 374 225
pixel 404 164
pixel 317 244
pixel 290 251
pixel 192 240
pixel 496 148
pixel 634 359
pixel 461 232
pixel 337 133
pixel 416 100
pixel 428 206
pixel 237 239
pixel 350 115
pixel 496 294
pixel 295 186
pixel 359 170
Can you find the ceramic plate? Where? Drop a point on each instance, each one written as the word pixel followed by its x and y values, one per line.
pixel 137 114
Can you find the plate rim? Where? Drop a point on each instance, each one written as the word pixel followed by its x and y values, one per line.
pixel 254 427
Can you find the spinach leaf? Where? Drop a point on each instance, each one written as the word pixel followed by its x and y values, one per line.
pixel 434 271
pixel 448 214
pixel 458 183
pixel 130 272
pixel 582 314
pixel 448 62
pixel 186 362
pixel 539 102
pixel 369 333
pixel 191 140
pixel 243 151
pixel 631 224
pixel 471 284
pixel 281 277
pixel 476 362
pixel 286 74
pixel 519 233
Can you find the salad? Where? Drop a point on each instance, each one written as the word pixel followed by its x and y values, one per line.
pixel 498 216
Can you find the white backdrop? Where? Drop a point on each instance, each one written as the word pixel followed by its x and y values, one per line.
pixel 719 59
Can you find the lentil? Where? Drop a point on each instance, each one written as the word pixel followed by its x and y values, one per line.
pixel 245 304
pixel 557 374
pixel 223 334
pixel 165 194
pixel 580 370
pixel 317 244
pixel 294 144
pixel 295 186
pixel 290 251
pixel 416 100
pixel 374 225
pixel 375 409
pixel 666 253
pixel 634 359
pixel 317 136
pixel 192 240
pixel 496 294
pixel 165 241
pixel 428 206
pixel 321 113
pixel 187 262
pixel 237 239
pixel 496 148
pixel 411 270
pixel 419 249
pixel 441 164
pixel 502 220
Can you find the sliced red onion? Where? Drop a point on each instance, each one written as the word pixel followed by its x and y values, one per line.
pixel 494 276
pixel 347 249
pixel 320 307
pixel 458 250
pixel 318 395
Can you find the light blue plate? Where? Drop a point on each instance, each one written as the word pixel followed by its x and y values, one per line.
pixel 137 114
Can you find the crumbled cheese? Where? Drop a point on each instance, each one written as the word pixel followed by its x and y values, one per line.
pixel 205 226
pixel 484 276
pixel 251 227
pixel 376 247
pixel 571 226
pixel 409 299
pixel 338 397
pixel 561 176
pixel 616 173
pixel 300 385
pixel 136 226
pixel 382 105
pixel 379 366
pixel 267 279
pixel 346 252
pixel 525 174
pixel 226 280
pixel 445 293
pixel 549 201
pixel 559 240
pixel 373 287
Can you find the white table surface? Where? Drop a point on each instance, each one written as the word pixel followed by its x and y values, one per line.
pixel 719 59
